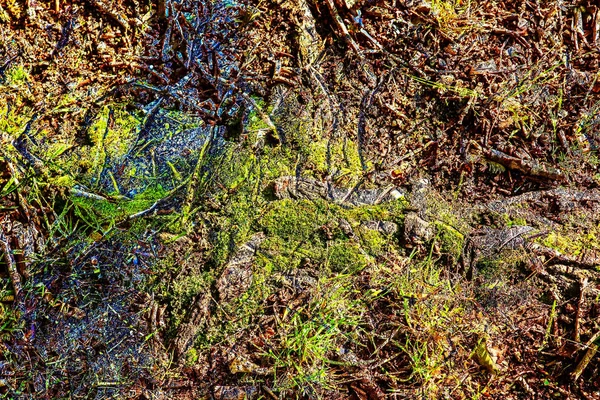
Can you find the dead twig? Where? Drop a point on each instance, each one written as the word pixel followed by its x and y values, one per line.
pixel 270 392
pixel 583 286
pixel 342 27
pixel 11 263
pixel 553 257
pixel 105 9
pixel 592 349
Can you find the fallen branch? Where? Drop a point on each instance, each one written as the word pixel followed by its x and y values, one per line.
pixel 592 349
pixel 553 257
pixel 527 167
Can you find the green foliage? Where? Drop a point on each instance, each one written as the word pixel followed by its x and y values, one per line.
pixel 311 335
pixel 17 76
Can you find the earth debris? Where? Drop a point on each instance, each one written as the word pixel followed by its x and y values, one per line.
pixel 337 199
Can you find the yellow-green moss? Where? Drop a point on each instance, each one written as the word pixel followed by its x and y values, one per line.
pixel 13 116
pixel 373 240
pixel 66 181
pixel 347 258
pixel 297 220
pixel 451 241
pixel 572 243
pixel 343 158
pixel 191 357
pixel 390 211
pixel 182 291
pixel 516 221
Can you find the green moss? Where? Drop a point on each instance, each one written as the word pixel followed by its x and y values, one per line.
pixel 317 156
pixel 343 158
pixel 182 291
pixel 62 181
pixel 236 189
pixel 112 134
pixel 574 244
pixel 278 254
pixel 390 211
pixel 451 240
pixel 295 220
pixel 191 357
pixel 517 221
pixel 276 162
pixel 13 116
pixel 373 241
pixel 347 258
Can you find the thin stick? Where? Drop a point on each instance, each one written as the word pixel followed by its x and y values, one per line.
pixel 270 393
pixel 584 283
pixel 589 354
pixel 12 267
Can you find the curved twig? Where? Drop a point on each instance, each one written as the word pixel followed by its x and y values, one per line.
pixel 12 266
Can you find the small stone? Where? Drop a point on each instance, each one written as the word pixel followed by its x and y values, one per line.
pixel 386 228
pixel 416 229
pixel 234 392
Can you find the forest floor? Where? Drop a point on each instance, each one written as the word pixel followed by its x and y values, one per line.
pixel 312 199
